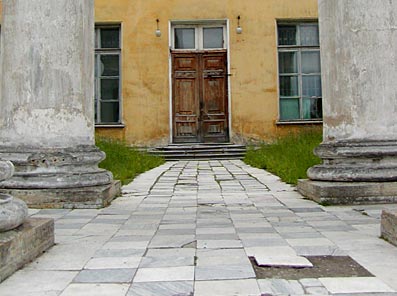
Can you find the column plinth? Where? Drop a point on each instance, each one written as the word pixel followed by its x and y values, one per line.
pixel 356 161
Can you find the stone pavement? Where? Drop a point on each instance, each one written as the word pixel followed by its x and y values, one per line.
pixel 189 228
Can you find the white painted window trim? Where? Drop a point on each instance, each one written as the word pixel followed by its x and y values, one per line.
pixel 199 34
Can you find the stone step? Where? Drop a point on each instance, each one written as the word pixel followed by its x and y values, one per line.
pixel 200 151
pixel 200 147
pixel 178 156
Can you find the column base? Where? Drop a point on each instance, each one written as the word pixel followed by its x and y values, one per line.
pixel 348 193
pixel 92 197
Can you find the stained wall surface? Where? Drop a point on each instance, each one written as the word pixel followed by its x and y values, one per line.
pixel 145 66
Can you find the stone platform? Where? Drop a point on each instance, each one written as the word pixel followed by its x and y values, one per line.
pixel 191 227
pixel 389 226
pixel 93 197
pixel 24 244
pixel 344 193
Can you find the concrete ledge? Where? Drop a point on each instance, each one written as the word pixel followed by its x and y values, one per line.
pixel 94 197
pixel 24 244
pixel 389 226
pixel 338 193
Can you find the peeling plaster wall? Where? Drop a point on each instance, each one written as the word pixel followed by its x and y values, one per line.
pixel 253 61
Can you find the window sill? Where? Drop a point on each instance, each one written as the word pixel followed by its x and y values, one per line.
pixel 299 122
pixel 116 125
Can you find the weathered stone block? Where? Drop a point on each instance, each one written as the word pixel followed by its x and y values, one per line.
pixel 23 244
pixel 13 212
pixel 389 226
pixel 93 197
pixel 334 193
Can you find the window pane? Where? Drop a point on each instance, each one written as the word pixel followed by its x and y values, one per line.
pixel 289 109
pixel 309 35
pixel 289 86
pixel 184 38
pixel 96 108
pixel 110 38
pixel 109 89
pixel 213 37
pixel 97 57
pixel 312 108
pixel 109 65
pixel 311 62
pixel 311 86
pixel 288 62
pixel 109 112
pixel 286 35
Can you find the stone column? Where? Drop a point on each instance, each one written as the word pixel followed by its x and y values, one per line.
pixel 47 104
pixel 359 72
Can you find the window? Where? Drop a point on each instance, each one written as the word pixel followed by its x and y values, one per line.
pixel 198 37
pixel 107 75
pixel 299 72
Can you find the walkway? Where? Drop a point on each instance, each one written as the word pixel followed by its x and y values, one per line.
pixel 189 228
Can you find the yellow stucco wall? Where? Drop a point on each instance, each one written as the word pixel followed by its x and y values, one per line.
pixel 253 61
pixel 145 62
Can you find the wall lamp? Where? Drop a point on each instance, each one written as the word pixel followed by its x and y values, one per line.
pixel 239 30
pixel 158 32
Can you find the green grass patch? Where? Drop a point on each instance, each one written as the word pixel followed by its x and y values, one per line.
pixel 125 162
pixel 288 157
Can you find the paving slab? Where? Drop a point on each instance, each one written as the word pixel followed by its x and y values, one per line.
pixel 168 258
pixel 280 287
pixel 165 274
pixel 37 282
pixel 183 288
pixel 113 262
pixel 211 257
pixel 105 276
pixel 247 287
pixel 219 244
pixel 355 285
pixel 77 289
pixel 224 272
pixel 288 261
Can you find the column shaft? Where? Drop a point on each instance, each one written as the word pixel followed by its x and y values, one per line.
pixel 47 95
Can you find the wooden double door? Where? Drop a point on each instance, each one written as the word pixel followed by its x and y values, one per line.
pixel 199 94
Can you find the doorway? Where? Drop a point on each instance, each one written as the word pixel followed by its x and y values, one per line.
pixel 199 84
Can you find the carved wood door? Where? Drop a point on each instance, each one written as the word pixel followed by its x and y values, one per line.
pixel 200 110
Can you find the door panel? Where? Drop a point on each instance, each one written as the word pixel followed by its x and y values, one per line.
pixel 214 97
pixel 185 98
pixel 200 110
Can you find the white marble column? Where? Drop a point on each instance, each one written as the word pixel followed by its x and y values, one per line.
pixel 47 95
pixel 359 72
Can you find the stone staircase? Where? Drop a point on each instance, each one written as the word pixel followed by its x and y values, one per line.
pixel 200 151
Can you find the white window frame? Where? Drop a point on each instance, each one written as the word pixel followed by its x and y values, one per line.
pixel 101 52
pixel 298 49
pixel 199 35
